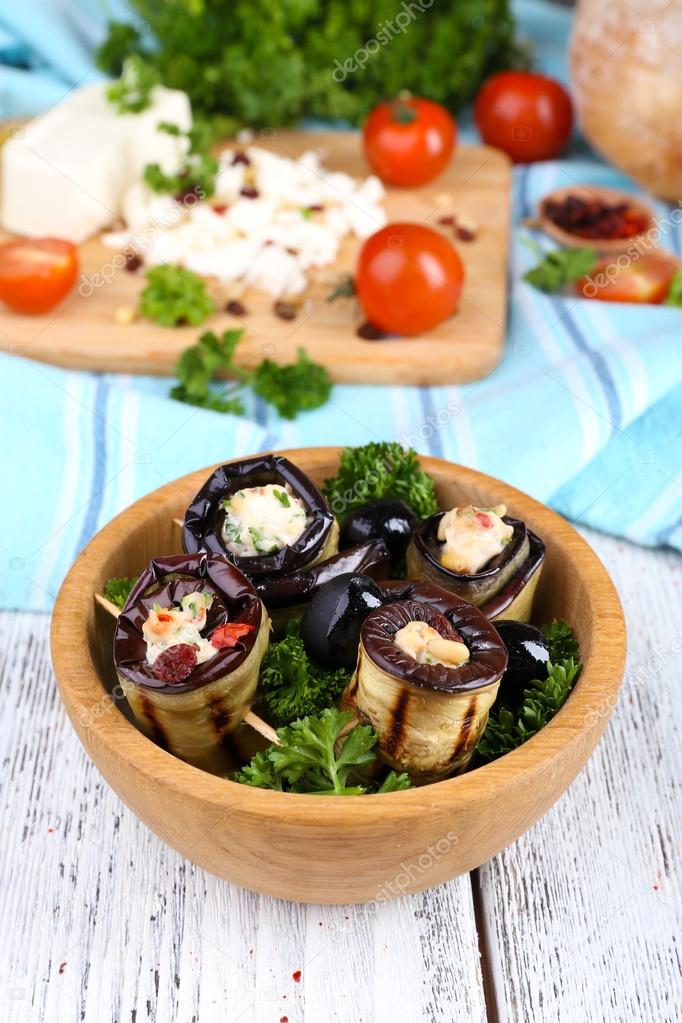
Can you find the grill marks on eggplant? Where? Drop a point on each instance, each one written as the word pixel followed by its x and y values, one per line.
pixel 462 740
pixel 158 735
pixel 398 722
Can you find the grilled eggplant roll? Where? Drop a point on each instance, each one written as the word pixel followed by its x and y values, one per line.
pixel 429 667
pixel 266 516
pixel 187 650
pixel 481 554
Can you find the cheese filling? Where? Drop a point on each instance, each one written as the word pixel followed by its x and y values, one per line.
pixel 168 626
pixel 426 646
pixel 262 520
pixel 472 536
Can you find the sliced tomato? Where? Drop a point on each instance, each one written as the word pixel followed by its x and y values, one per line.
pixel 646 279
pixel 37 273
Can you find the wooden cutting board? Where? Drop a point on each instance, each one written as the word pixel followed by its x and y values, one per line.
pixel 83 332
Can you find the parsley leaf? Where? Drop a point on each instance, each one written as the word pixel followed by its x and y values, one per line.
pixel 313 758
pixel 175 296
pixel 674 296
pixel 541 701
pixel 117 589
pixel 377 470
pixel 293 686
pixel 561 640
pixel 290 389
pixel 198 172
pixel 298 387
pixel 131 94
pixel 560 267
pixel 283 498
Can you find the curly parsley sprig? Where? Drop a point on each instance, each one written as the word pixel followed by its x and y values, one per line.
pixel 542 699
pixel 174 296
pixel 376 470
pixel 117 589
pixel 131 93
pixel 313 758
pixel 298 387
pixel 293 686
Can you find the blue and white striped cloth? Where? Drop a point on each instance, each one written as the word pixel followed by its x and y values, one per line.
pixel 584 412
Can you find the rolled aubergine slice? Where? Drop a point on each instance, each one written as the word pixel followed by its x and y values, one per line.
pixel 428 711
pixel 187 651
pixel 266 516
pixel 504 585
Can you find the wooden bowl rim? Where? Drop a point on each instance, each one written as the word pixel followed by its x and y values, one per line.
pixel 602 245
pixel 597 688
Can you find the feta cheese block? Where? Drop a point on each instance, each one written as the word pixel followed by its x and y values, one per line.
pixel 66 172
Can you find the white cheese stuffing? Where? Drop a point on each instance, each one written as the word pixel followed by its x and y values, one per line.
pixel 169 626
pixel 262 520
pixel 296 220
pixel 426 646
pixel 471 536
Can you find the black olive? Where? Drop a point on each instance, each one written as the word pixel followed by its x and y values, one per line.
pixel 389 519
pixel 528 656
pixel 330 628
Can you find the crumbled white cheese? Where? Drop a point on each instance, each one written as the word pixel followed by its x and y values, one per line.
pixel 296 221
pixel 169 626
pixel 426 646
pixel 471 536
pixel 262 520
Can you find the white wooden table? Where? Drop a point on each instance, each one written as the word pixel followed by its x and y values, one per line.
pixel 579 921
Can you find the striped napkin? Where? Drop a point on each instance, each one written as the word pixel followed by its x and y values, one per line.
pixel 584 412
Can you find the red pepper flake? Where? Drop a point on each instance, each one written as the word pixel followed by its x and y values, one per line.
pixel 484 520
pixel 316 207
pixel 447 221
pixel 249 192
pixel 220 207
pixel 465 234
pixel 296 975
pixel 228 635
pixel 241 157
pixel 50 831
pixel 285 310
pixel 593 217
pixel 175 664
pixel 236 308
pixel 163 616
pixel 283 1019
pixel 62 967
pixel 133 261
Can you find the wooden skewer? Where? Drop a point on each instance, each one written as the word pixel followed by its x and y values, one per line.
pixel 251 719
pixel 179 522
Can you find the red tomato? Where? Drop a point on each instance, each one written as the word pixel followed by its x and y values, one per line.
pixel 409 141
pixel 36 273
pixel 229 635
pixel 528 116
pixel 646 279
pixel 408 278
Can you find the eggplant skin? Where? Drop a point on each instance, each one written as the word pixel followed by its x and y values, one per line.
pixel 429 718
pixel 423 562
pixel 202 527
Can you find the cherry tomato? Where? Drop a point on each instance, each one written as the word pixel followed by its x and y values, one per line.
pixel 528 116
pixel 408 278
pixel 646 279
pixel 409 141
pixel 37 273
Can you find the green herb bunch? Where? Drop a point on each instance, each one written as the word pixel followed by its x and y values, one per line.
pixel 117 589
pixel 269 64
pixel 380 469
pixel 560 267
pixel 131 93
pixel 509 727
pixel 313 757
pixel 294 686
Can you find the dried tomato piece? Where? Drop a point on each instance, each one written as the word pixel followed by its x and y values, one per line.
pixel 176 663
pixel 230 634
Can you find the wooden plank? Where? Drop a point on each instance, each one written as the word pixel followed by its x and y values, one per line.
pixel 139 933
pixel 583 913
pixel 82 333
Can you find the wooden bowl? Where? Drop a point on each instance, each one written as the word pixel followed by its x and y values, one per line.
pixel 604 246
pixel 324 848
